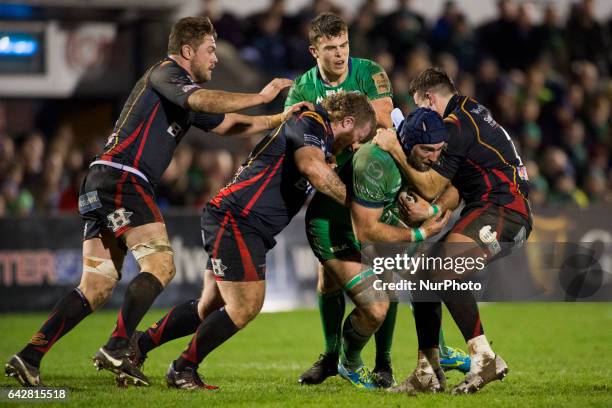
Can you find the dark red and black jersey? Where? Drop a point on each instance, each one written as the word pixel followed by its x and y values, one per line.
pixel 154 119
pixel 480 158
pixel 268 190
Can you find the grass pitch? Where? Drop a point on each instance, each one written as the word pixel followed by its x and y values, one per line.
pixel 559 355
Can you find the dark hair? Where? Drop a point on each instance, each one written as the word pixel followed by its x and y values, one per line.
pixel 191 31
pixel 326 25
pixel 343 104
pixel 432 79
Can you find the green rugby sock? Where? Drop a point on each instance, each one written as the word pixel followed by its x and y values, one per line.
pixel 353 343
pixel 384 336
pixel 331 309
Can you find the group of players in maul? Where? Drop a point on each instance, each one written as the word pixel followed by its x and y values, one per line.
pixel 335 135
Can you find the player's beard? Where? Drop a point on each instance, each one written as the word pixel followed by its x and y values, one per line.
pixel 199 72
pixel 417 165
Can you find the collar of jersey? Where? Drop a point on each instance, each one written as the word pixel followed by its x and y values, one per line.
pixel 324 82
pixel 452 104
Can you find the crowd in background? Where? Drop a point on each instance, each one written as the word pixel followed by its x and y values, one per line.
pixel 547 81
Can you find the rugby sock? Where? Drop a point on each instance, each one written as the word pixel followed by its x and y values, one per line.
pixel 331 309
pixel 66 314
pixel 182 320
pixel 384 336
pixel 427 318
pixel 464 310
pixel 214 330
pixel 352 345
pixel 139 296
pixel 442 342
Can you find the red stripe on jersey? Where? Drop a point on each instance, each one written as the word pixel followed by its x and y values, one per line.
pixel 254 199
pixel 119 188
pixel 463 223
pixel 220 234
pixel 485 196
pixel 123 145
pixel 518 204
pixel 146 135
pixel 148 200
pixel 250 274
pixel 235 187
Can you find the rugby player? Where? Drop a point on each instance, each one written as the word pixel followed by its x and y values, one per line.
pixel 482 163
pixel 117 201
pixel 240 223
pixel 334 233
pixel 335 72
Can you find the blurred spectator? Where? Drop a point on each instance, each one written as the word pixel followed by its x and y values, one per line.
pixel 404 29
pixel 586 37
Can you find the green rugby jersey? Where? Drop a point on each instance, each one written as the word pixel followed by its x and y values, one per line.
pixel 365 76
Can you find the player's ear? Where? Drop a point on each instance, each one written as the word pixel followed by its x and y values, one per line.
pixel 313 51
pixel 348 122
pixel 187 51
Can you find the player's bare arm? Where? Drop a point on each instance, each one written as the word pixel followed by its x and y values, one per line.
pixel 311 163
pixel 214 101
pixel 429 184
pixel 383 108
pixel 368 228
pixel 236 124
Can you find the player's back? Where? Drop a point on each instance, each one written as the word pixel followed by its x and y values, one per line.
pixel 153 120
pixel 488 167
pixel 268 189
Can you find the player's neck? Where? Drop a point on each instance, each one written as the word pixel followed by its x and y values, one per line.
pixel 183 63
pixel 332 79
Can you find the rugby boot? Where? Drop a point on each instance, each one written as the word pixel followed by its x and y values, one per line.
pixel 325 366
pixel 484 370
pixel 424 379
pixel 187 379
pixel 360 377
pixel 383 375
pixel 454 359
pixel 25 373
pixel 118 362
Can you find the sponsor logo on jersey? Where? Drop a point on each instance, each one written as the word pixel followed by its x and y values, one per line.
pixel 188 88
pixel 489 238
pixel 218 267
pixel 118 219
pixel 382 82
pixel 89 202
pixel 174 129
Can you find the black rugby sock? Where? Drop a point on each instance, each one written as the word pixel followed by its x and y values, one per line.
pixel 139 296
pixel 428 319
pixel 464 310
pixel 214 330
pixel 182 320
pixel 66 314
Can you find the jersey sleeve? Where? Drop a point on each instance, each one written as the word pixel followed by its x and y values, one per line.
pixel 173 83
pixel 295 94
pixel 305 130
pixel 374 81
pixel 455 151
pixel 207 121
pixel 371 178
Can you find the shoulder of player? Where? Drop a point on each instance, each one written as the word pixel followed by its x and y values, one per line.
pixel 306 78
pixel 308 119
pixel 369 153
pixel 165 70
